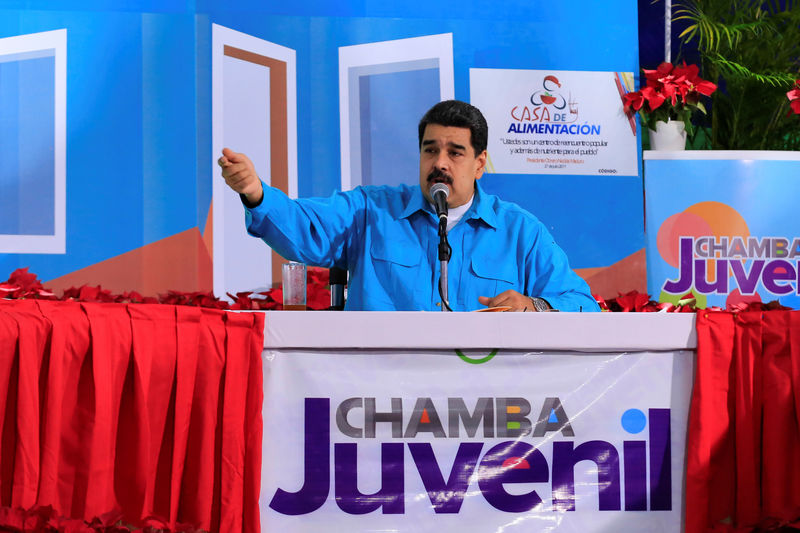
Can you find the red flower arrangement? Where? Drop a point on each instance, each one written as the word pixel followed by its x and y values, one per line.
pixel 794 98
pixel 637 302
pixel 23 284
pixel 671 93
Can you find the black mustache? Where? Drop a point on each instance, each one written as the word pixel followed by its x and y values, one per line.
pixel 438 176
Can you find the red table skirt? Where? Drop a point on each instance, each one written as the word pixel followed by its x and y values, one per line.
pixel 743 450
pixel 154 410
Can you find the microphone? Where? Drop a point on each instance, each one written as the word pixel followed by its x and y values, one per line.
pixel 439 193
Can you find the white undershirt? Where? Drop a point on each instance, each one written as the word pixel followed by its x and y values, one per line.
pixel 454 214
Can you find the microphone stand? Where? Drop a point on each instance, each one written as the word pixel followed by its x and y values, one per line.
pixel 444 256
pixel 439 193
pixel 338 280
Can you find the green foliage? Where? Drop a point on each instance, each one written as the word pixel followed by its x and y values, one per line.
pixel 751 49
pixel 667 113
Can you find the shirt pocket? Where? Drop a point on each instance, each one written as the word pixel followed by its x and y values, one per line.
pixel 397 270
pixel 489 276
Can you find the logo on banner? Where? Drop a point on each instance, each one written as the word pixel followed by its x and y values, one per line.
pixel 476 360
pixel 550 97
pixel 711 246
pixel 363 428
pixel 548 104
pixel 549 112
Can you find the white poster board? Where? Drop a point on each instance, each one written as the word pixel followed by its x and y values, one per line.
pixel 556 122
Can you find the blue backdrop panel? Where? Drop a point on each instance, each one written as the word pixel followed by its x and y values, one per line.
pixel 168 126
pixel 139 166
pixel 131 135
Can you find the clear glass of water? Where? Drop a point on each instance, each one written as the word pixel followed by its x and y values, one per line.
pixel 294 286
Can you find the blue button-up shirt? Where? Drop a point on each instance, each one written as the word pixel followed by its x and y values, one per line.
pixel 386 237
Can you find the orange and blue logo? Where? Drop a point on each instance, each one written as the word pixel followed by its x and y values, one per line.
pixel 711 246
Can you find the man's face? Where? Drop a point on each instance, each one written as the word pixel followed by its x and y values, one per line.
pixel 447 156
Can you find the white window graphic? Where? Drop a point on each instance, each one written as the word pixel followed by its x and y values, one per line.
pixel 384 89
pixel 254 111
pixel 33 112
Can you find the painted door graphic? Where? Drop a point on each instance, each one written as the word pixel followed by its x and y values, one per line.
pixel 254 111
pixel 33 110
pixel 384 89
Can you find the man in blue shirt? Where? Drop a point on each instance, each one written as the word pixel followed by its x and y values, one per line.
pixel 386 237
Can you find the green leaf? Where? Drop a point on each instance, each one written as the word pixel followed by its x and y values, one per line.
pixel 701 108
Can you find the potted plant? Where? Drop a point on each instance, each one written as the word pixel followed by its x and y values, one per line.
pixel 666 104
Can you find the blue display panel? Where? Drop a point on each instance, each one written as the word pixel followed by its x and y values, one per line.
pixel 721 227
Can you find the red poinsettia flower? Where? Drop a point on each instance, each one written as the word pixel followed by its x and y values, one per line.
pixel 318 297
pixel 665 87
pixel 134 297
pixel 95 294
pixel 23 284
pixel 7 290
pixel 242 301
pixel 705 87
pixel 679 85
pixel 633 301
pixel 632 101
pixel 276 295
pixel 654 98
pixel 794 98
pixel 660 74
pixel 318 276
pixel 635 101
pixel 25 280
pixel 688 72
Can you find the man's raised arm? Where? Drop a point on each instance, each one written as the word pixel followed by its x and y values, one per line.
pixel 314 231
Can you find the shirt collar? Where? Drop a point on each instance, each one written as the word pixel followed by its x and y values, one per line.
pixel 416 202
pixel 481 208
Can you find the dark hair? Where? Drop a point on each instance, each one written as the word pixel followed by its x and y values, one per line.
pixel 460 115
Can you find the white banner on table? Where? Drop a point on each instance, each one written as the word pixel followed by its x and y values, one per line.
pixel 556 122
pixel 429 442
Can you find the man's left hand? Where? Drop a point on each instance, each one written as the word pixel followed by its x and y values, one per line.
pixel 513 299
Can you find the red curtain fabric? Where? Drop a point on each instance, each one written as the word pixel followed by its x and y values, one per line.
pixel 154 410
pixel 743 449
